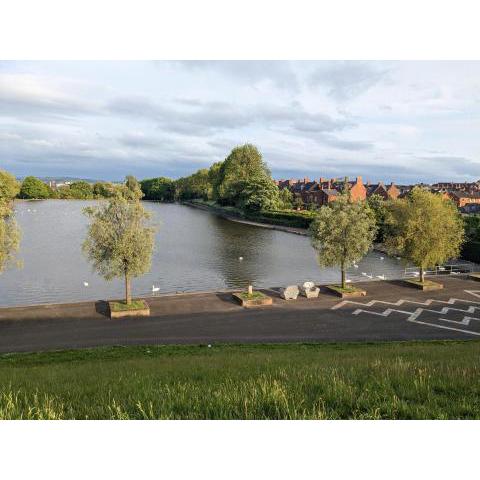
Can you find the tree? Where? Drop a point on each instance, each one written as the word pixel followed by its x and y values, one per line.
pixel 34 188
pixel 342 233
pixel 379 207
pixel 9 232
pixel 161 189
pixel 81 190
pixel 9 186
pixel 426 229
pixel 259 194
pixel 119 242
pixel 244 164
pixel 103 190
pixel 286 199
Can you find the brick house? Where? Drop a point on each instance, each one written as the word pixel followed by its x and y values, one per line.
pixel 463 198
pixel 390 192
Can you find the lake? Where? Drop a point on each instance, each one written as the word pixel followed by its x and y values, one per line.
pixel 195 250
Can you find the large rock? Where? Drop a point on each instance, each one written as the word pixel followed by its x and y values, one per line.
pixel 290 293
pixel 309 290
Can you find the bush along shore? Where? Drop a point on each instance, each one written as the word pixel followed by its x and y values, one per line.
pixel 417 380
pixel 294 222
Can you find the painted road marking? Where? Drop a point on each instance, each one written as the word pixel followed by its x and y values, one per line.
pixel 413 316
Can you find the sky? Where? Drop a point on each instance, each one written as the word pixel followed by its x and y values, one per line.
pixel 399 121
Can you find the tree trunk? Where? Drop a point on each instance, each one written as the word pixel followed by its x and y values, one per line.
pixel 422 275
pixel 128 293
pixel 343 276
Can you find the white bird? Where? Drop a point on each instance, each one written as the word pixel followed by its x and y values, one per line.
pixel 369 276
pixel 209 346
pixel 381 277
pixel 240 258
pixel 155 289
pixel 364 274
pixel 398 258
pixel 355 265
pixel 85 284
pixel 382 258
pixel 348 281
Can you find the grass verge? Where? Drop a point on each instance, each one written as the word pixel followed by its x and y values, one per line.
pixel 121 306
pixel 254 296
pixel 417 380
pixel 347 289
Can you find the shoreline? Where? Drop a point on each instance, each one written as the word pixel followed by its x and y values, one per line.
pixel 233 218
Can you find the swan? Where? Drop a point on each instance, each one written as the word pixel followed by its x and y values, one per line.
pixel 85 284
pixel 382 258
pixel 369 276
pixel 155 289
pixel 364 274
pixel 381 277
pixel 355 265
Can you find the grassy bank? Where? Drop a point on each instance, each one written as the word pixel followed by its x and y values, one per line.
pixel 283 218
pixel 395 380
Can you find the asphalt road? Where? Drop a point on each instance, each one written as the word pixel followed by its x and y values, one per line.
pixel 390 311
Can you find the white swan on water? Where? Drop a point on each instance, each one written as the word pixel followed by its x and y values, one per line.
pixel 155 289
pixel 85 284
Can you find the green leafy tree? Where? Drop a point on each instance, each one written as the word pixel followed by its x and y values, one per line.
pixel 425 229
pixel 81 190
pixel 9 187
pixel 160 189
pixel 244 164
pixel 342 233
pixel 130 190
pixel 379 207
pixel 215 179
pixel 285 199
pixel 259 194
pixel 119 241
pixel 194 186
pixel 34 188
pixel 9 231
pixel 103 190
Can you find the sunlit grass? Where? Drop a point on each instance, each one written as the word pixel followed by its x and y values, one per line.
pixel 329 381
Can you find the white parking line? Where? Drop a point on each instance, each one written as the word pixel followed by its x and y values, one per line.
pixel 412 316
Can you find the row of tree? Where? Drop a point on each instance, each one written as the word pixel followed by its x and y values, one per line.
pixel 243 180
pixel 423 228
pixel 34 188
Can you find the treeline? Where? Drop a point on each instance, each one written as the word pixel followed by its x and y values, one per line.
pixel 33 188
pixel 242 180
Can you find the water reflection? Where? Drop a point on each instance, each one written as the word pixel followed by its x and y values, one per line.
pixel 194 250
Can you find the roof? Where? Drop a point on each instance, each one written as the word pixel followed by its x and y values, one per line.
pixel 465 194
pixel 331 191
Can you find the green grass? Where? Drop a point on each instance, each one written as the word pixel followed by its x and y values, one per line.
pixel 295 381
pixel 347 289
pixel 254 296
pixel 121 306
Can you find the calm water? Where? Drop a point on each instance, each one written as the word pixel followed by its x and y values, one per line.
pixel 195 250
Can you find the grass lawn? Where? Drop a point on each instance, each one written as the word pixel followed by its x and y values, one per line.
pixel 121 306
pixel 347 289
pixel 293 381
pixel 254 296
